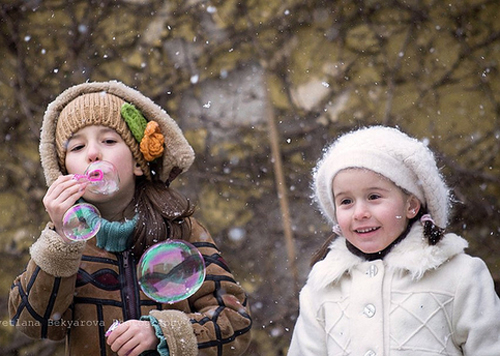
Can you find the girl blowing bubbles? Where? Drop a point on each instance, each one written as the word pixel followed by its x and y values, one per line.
pixel 392 282
pixel 76 290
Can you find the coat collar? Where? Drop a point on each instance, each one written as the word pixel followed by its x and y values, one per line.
pixel 413 255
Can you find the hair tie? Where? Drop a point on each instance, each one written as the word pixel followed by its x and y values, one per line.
pixel 433 232
pixel 427 217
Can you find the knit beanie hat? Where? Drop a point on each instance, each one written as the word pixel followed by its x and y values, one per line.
pixel 407 162
pixel 154 138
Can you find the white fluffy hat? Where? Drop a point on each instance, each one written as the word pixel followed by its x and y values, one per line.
pixel 407 162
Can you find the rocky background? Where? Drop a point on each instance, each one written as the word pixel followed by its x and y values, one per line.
pixel 259 87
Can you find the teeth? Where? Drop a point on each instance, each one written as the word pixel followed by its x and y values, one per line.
pixel 366 230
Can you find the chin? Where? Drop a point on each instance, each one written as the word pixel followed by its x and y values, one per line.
pixel 371 249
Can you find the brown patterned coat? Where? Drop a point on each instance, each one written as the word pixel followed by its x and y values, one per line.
pixel 76 292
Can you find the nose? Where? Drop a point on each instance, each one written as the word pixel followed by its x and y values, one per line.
pixel 93 152
pixel 361 211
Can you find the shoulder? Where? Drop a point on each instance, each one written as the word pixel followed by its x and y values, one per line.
pixel 415 255
pixel 467 267
pixel 198 231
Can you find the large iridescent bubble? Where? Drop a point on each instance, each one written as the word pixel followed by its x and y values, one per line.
pixel 81 222
pixel 171 271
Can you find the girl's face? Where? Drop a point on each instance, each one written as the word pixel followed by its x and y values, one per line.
pixel 371 210
pixel 93 143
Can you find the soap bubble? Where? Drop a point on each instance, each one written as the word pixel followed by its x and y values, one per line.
pixel 81 222
pixel 171 271
pixel 102 177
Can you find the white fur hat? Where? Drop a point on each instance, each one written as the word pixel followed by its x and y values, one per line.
pixel 407 162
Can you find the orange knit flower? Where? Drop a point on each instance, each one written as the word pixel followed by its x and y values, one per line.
pixel 152 144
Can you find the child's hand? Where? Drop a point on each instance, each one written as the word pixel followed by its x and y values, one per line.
pixel 60 196
pixel 133 337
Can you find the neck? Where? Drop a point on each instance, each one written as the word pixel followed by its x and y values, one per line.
pixel 117 208
pixel 117 212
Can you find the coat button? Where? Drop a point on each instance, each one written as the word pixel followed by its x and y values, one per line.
pixel 372 271
pixel 370 353
pixel 369 310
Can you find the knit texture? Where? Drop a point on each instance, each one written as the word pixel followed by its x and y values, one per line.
pixel 387 151
pixel 135 121
pixel 178 331
pixel 162 348
pixel 115 236
pixel 102 106
pixel 95 109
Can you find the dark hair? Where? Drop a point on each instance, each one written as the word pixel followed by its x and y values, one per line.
pixel 323 250
pixel 163 213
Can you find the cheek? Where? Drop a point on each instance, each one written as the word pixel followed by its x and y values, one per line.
pixel 342 218
pixel 124 158
pixel 72 167
pixel 397 215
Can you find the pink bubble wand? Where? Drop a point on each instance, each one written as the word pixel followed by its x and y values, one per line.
pixel 111 328
pixel 93 176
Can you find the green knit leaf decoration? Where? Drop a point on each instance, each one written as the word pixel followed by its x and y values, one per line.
pixel 134 119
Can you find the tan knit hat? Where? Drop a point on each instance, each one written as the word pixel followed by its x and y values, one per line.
pixel 101 103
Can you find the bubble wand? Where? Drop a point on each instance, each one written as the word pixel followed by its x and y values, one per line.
pixel 82 221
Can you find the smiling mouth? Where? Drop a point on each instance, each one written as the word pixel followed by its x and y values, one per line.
pixel 364 231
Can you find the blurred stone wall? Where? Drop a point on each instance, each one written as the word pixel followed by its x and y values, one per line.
pixel 226 69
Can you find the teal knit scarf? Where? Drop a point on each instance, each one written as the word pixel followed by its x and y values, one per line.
pixel 113 236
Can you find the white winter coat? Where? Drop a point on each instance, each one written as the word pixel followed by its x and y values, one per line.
pixel 421 300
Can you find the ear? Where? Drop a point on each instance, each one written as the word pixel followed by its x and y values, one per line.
pixel 413 206
pixel 138 170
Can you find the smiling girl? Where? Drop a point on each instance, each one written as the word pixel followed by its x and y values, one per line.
pixel 391 281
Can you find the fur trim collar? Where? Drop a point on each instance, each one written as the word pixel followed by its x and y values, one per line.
pixel 413 255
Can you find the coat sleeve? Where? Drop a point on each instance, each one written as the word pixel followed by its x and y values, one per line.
pixel 477 311
pixel 219 321
pixel 308 337
pixel 40 297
